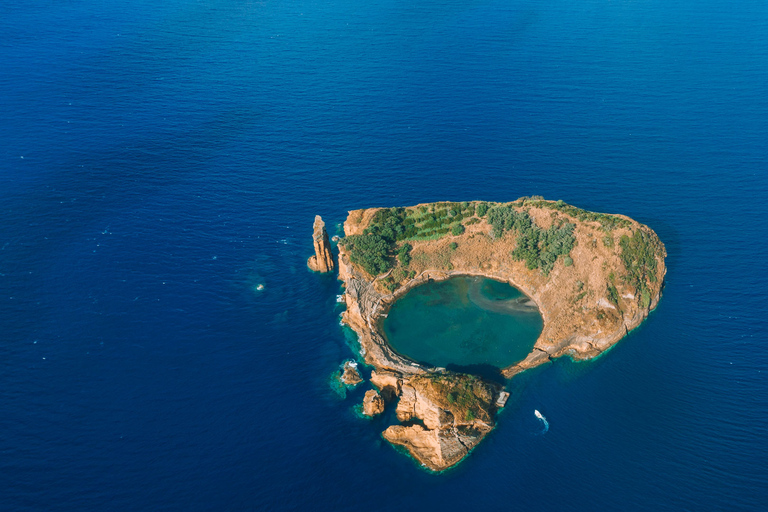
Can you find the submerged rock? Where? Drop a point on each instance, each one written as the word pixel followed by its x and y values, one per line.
pixel 322 260
pixel 373 404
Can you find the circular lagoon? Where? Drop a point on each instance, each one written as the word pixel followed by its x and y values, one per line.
pixel 464 321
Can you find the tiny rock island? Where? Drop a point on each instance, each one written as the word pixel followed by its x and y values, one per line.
pixel 593 276
pixel 322 260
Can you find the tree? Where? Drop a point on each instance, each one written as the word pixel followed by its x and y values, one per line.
pixel 404 254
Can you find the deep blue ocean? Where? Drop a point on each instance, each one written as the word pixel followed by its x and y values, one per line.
pixel 160 160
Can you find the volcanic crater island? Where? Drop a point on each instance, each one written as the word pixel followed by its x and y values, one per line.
pixel 592 277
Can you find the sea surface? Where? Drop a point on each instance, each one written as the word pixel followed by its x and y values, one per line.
pixel 163 345
pixel 464 321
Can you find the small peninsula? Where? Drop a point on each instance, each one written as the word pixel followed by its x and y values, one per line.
pixel 593 276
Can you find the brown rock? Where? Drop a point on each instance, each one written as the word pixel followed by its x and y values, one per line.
pixel 435 449
pixel 322 261
pixel 456 412
pixel 384 379
pixel 349 375
pixel 373 404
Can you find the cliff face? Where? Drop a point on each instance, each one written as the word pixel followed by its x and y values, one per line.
pixel 588 301
pixel 454 413
pixel 322 261
pixel 444 414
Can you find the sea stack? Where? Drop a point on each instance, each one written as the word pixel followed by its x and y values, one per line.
pixel 373 404
pixel 322 261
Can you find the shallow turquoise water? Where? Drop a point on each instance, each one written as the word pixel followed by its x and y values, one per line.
pixel 464 321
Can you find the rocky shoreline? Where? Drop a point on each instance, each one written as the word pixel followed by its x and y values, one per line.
pixel 586 306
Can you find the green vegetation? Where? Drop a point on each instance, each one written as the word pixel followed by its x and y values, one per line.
pixel 370 251
pixel 466 396
pixel 454 246
pixel 404 254
pixel 539 248
pixel 613 295
pixel 376 248
pixel 373 249
pixel 638 254
pixel 393 224
pixel 380 247
pixel 608 222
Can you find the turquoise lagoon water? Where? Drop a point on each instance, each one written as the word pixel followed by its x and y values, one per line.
pixel 464 321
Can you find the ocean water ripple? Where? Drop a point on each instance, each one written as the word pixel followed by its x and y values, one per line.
pixel 160 161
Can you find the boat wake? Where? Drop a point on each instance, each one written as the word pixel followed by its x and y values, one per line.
pixel 543 420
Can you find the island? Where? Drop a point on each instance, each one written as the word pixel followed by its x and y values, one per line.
pixel 593 276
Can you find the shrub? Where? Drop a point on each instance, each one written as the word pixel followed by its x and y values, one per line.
pixel 454 245
pixel 638 254
pixel 370 251
pixel 537 247
pixel 457 229
pixel 404 254
pixel 567 261
pixel 613 294
pixel 481 209
pixel 399 274
pixel 607 221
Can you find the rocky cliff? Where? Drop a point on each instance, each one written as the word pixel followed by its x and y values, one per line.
pixel 444 415
pixel 322 260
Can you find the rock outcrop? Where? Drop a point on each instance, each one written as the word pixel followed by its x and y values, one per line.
pixel 445 415
pixel 322 260
pixel 388 383
pixel 350 376
pixel 373 404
